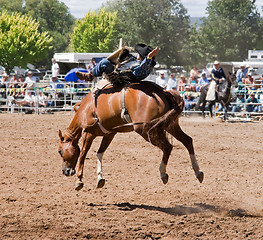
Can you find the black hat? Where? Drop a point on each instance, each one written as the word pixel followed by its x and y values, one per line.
pixel 143 49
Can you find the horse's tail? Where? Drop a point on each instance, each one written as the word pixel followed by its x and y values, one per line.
pixel 177 106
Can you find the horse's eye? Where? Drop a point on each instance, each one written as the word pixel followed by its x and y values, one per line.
pixel 60 152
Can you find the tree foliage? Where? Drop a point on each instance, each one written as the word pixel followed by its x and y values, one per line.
pixel 21 41
pixel 230 30
pixel 162 23
pixel 53 16
pixel 95 32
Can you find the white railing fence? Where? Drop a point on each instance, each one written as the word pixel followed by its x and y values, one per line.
pixel 62 96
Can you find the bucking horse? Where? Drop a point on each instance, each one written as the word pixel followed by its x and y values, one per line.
pixel 141 107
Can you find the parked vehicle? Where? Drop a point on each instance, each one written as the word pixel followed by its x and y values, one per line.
pixel 2 71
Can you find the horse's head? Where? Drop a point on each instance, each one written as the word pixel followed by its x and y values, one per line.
pixel 69 151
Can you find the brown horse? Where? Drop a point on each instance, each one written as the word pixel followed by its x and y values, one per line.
pixel 153 112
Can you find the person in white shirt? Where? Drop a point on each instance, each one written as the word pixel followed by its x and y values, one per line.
pixel 54 68
pixel 172 83
pixel 30 80
pixel 162 81
pixel 29 100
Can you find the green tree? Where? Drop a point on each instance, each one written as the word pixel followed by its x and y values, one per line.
pixel 53 16
pixel 20 40
pixel 194 53
pixel 230 30
pixel 95 32
pixel 162 23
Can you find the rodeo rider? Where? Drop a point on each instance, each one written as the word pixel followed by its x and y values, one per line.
pixel 146 57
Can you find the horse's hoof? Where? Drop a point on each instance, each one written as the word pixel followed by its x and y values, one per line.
pixel 165 178
pixel 79 185
pixel 101 183
pixel 200 177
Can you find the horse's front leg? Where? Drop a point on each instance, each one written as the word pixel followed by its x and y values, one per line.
pixel 225 110
pixel 106 140
pixel 87 141
pixel 210 107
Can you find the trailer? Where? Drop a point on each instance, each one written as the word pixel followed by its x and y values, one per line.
pixel 68 61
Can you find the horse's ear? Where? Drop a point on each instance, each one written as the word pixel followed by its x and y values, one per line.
pixel 60 135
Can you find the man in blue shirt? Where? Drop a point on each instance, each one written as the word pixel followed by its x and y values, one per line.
pixel 202 82
pixel 241 73
pixel 146 56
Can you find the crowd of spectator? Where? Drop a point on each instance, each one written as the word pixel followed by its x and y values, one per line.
pixel 244 98
pixel 21 88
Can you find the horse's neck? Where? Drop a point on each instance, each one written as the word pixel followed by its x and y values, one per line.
pixel 229 82
pixel 74 130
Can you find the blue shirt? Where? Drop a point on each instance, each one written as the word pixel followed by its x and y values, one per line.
pixel 241 74
pixel 56 84
pixel 144 69
pixel 217 74
pixel 203 81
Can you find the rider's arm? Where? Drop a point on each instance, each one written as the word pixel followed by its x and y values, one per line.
pixel 143 70
pixel 214 77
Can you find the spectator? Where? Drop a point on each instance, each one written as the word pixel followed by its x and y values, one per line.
pixel 55 83
pixel 239 104
pixel 194 74
pixel 253 107
pixel 55 68
pixel 30 80
pixel 172 83
pixel 181 84
pixel 162 80
pixel 92 64
pixel 4 84
pixel 20 85
pixel 249 70
pixel 242 86
pixel 207 73
pixel 13 81
pixel 251 81
pixel 241 73
pixel 29 100
pixel 202 82
pixel 41 99
pixel 189 103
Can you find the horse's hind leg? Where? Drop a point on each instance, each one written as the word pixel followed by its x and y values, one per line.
pixel 106 140
pixel 157 137
pixel 175 130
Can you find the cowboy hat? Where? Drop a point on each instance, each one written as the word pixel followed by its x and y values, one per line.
pixel 143 49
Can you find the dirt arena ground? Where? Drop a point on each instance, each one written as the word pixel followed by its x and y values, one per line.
pixel 38 202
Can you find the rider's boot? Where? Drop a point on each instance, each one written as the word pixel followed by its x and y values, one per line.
pixel 85 76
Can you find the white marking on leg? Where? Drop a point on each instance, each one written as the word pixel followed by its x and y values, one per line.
pixel 99 165
pixel 162 169
pixel 195 164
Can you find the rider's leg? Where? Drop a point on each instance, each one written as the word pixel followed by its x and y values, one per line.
pixel 104 66
pixel 211 93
